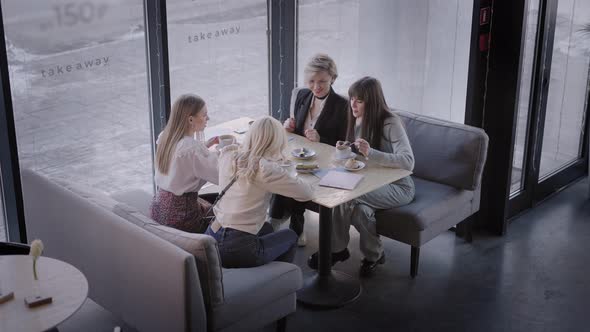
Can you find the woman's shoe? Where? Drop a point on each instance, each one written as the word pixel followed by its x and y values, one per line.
pixel 368 267
pixel 302 240
pixel 276 223
pixel 340 256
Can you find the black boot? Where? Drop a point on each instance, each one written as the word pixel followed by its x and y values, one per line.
pixel 368 267
pixel 296 224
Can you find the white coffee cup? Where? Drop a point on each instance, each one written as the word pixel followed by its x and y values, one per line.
pixel 343 151
pixel 225 140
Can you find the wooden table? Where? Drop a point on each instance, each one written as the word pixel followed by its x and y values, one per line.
pixel 328 288
pixel 60 280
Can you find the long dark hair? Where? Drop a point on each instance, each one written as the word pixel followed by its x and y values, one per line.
pixel 368 89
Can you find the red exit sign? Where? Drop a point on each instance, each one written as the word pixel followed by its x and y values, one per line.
pixel 484 15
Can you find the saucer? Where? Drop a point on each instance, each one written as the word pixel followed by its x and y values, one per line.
pixel 307 153
pixel 361 166
pixel 218 148
pixel 351 155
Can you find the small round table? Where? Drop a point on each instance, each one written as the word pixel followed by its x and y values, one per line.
pixel 63 282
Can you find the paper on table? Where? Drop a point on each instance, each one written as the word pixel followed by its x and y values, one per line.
pixel 341 180
pixel 321 172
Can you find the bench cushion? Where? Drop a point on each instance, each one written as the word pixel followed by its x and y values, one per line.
pixel 433 201
pixel 137 198
pixel 446 152
pixel 247 290
pixel 203 247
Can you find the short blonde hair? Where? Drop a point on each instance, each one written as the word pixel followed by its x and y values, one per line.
pixel 321 62
pixel 265 138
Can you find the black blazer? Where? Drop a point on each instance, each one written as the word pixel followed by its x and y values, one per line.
pixel 331 125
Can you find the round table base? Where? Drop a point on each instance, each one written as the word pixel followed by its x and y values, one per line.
pixel 332 291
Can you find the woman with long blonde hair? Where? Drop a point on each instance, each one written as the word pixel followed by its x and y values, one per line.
pixel 244 238
pixel 183 165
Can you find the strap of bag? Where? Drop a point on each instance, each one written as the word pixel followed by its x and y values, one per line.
pixel 221 195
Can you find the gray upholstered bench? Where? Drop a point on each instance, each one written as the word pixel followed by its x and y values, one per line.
pixel 449 162
pixel 153 277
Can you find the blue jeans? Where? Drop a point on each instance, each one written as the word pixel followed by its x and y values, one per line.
pixel 241 249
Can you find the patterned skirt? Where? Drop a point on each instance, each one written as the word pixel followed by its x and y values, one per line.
pixel 186 212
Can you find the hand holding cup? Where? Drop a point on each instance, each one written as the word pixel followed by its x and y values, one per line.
pixel 289 125
pixel 212 141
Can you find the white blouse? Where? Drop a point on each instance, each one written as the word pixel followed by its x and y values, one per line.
pixel 190 168
pixel 309 120
pixel 245 204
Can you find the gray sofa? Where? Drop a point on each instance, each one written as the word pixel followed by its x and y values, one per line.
pixel 449 162
pixel 153 277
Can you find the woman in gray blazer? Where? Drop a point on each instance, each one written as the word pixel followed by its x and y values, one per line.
pixel 379 135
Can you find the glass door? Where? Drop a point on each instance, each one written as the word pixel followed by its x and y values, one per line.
pixel 568 89
pixel 550 148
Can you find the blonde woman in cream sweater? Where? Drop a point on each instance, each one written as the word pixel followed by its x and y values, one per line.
pixel 243 236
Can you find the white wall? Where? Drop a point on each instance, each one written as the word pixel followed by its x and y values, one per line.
pixel 418 49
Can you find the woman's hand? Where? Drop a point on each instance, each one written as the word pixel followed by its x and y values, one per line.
pixel 212 141
pixel 312 135
pixel 363 147
pixel 289 125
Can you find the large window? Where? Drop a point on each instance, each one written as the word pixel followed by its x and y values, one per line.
pixel 419 50
pixel 219 50
pixel 79 90
pixel 3 226
pixel 531 22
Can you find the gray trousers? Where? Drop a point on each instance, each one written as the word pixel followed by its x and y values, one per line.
pixel 360 212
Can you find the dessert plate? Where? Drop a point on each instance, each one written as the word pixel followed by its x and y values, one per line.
pixel 303 153
pixel 360 164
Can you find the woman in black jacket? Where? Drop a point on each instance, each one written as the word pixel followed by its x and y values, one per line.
pixel 320 116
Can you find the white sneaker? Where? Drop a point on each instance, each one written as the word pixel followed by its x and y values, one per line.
pixel 302 241
pixel 276 223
